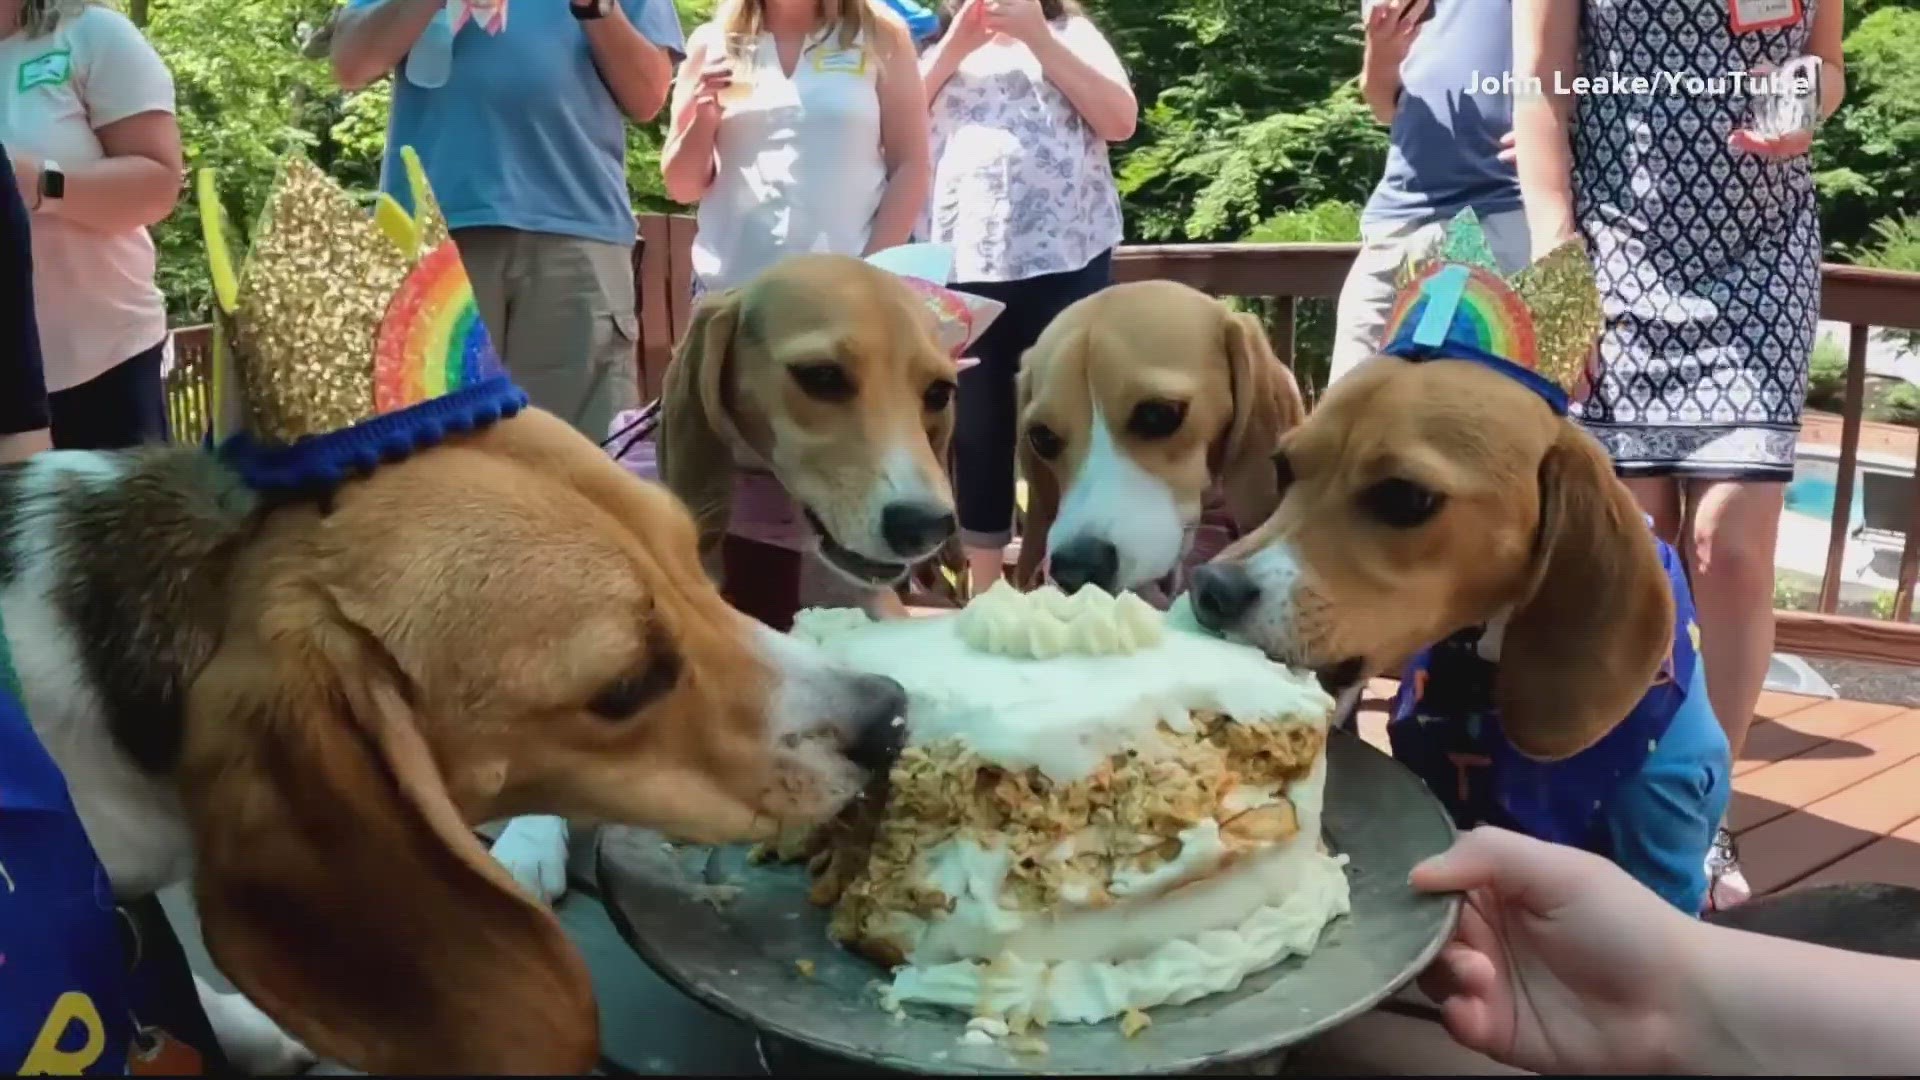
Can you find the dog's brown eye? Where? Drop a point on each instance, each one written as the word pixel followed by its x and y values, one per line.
pixel 1156 419
pixel 1045 442
pixel 1400 504
pixel 827 382
pixel 938 396
pixel 625 697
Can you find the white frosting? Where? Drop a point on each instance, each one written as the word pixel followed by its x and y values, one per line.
pixel 1047 623
pixel 1067 714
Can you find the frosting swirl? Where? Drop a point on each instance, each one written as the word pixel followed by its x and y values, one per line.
pixel 1047 623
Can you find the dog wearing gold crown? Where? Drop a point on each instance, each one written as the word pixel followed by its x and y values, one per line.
pixel 1442 516
pixel 392 602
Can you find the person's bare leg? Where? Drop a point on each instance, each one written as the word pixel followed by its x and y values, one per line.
pixel 985 568
pixel 1733 530
pixel 1659 497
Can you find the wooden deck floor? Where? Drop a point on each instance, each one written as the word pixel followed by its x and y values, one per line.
pixel 1826 790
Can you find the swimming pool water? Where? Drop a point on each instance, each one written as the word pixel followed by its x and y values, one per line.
pixel 1813 494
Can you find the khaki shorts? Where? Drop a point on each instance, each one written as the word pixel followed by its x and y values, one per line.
pixel 1367 298
pixel 561 313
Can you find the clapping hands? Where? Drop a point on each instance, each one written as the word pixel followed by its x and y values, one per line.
pixel 1021 20
pixel 969 28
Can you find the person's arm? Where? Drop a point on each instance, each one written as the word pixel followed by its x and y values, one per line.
pixel 372 37
pixel 1079 61
pixel 633 51
pixel 23 392
pixel 1545 47
pixel 686 161
pixel 1391 27
pixel 966 33
pixel 1766 1005
pixel 128 95
pixel 903 139
pixel 1829 29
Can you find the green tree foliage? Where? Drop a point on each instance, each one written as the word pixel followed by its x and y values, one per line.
pixel 244 97
pixel 1869 154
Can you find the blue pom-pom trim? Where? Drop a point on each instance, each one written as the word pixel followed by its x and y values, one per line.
pixel 326 461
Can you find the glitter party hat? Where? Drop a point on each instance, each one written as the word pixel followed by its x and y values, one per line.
pixel 1538 326
pixel 345 339
pixel 926 268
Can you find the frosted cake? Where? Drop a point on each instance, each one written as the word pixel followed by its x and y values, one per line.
pixel 1100 809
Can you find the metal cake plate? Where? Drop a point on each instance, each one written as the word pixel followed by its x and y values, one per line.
pixel 742 953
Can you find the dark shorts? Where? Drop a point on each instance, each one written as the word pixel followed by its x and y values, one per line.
pixel 125 406
pixel 984 440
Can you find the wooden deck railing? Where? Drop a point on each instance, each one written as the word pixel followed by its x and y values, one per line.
pixel 1285 274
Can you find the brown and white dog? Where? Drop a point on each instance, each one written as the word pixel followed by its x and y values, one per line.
pixel 305 707
pixel 1136 405
pixel 1421 499
pixel 826 372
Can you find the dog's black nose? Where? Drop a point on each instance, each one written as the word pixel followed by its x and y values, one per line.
pixel 879 725
pixel 1081 562
pixel 1223 593
pixel 1086 560
pixel 913 529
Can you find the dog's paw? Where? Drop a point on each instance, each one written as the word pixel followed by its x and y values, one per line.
pixel 534 851
pixel 253 1043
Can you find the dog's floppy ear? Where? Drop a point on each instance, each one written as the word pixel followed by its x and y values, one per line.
pixel 339 887
pixel 1043 491
pixel 1266 405
pixel 1586 642
pixel 697 433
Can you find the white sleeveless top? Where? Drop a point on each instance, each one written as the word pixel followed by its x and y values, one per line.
pixel 799 167
pixel 1021 184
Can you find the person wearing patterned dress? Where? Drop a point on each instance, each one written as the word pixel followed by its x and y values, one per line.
pixel 1705 238
pixel 1026 96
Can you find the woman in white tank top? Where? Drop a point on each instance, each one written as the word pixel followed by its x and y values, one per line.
pixel 798 126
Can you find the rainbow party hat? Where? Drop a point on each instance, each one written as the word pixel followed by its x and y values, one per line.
pixel 345 340
pixel 1538 327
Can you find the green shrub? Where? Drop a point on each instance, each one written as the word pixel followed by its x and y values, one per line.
pixel 1896 246
pixel 1827 376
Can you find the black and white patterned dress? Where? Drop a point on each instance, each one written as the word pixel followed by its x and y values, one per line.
pixel 1708 258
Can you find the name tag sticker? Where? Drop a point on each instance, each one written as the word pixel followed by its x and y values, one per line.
pixel 1750 16
pixel 841 61
pixel 47 69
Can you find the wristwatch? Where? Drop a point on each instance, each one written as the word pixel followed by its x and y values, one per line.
pixel 53 183
pixel 591 9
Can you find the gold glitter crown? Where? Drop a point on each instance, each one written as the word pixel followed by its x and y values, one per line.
pixel 1541 323
pixel 351 337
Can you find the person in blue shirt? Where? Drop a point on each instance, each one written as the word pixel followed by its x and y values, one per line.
pixel 1433 70
pixel 521 126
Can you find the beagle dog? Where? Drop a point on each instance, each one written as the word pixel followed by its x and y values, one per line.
pixel 807 410
pixel 304 707
pixel 1439 517
pixel 1142 406
pixel 825 374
